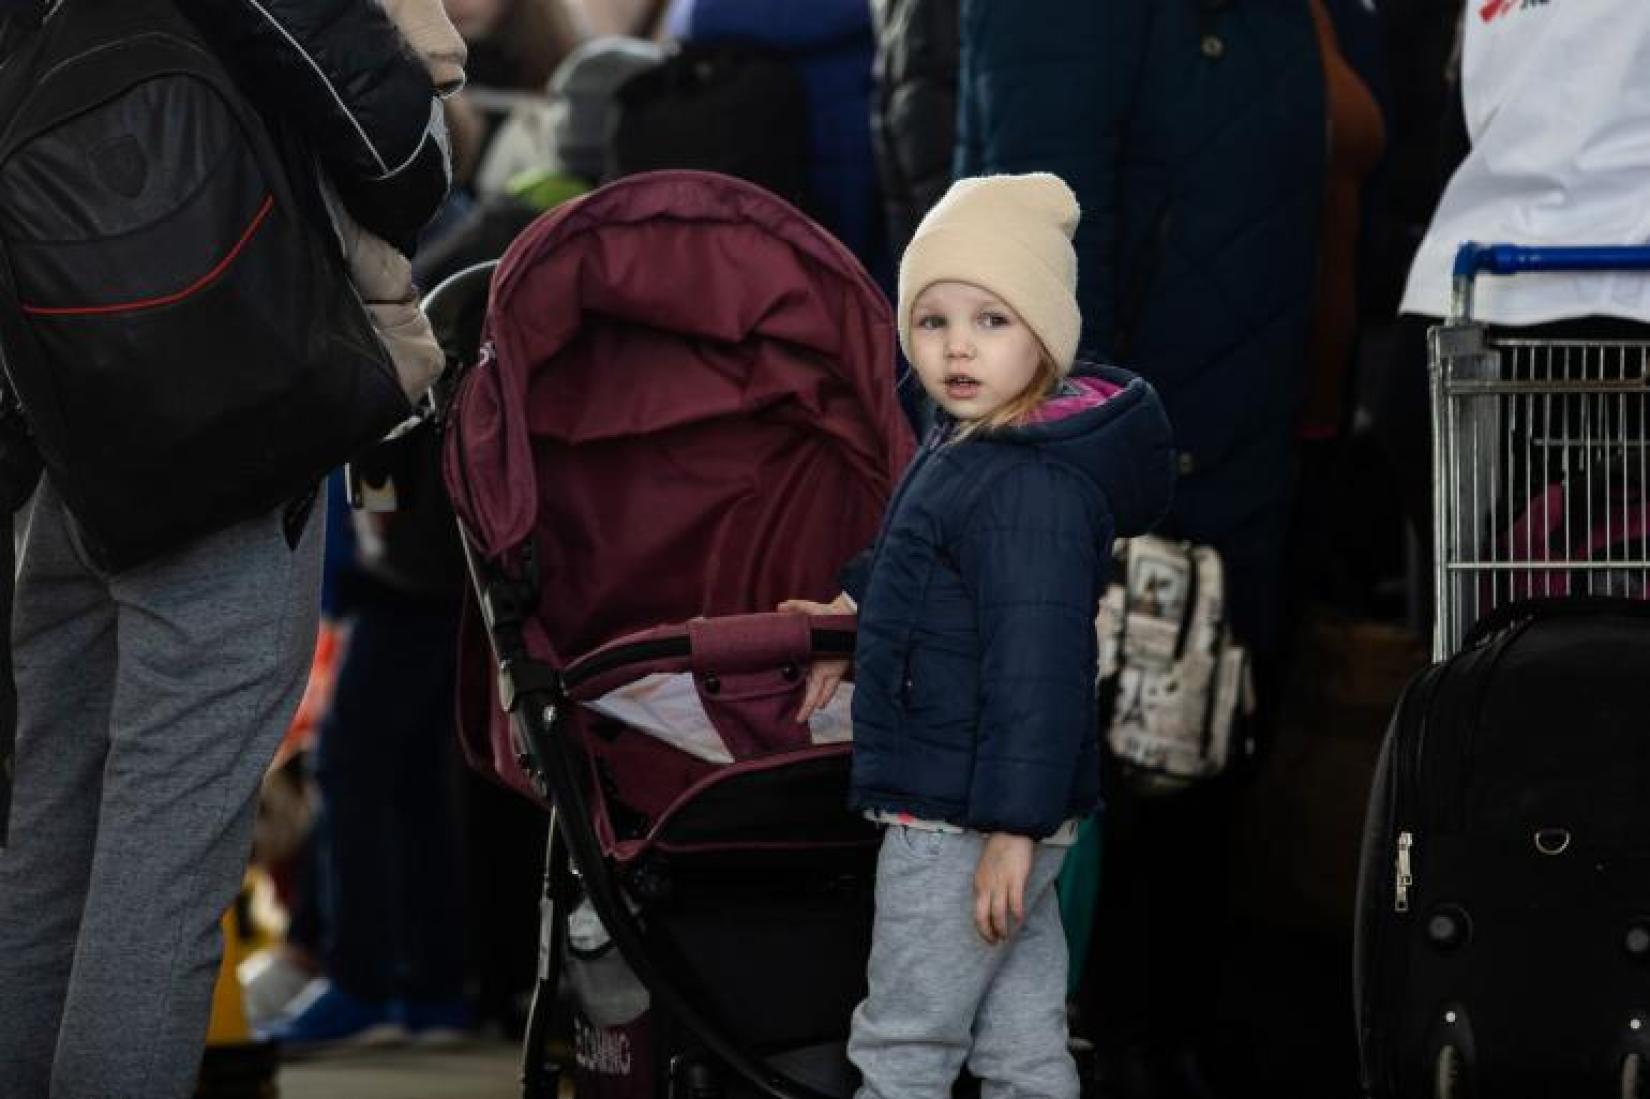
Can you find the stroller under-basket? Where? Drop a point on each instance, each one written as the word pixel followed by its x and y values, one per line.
pixel 681 413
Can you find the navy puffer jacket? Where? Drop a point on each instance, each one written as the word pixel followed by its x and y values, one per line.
pixel 974 697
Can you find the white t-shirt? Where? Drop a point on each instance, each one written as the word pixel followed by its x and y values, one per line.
pixel 1557 97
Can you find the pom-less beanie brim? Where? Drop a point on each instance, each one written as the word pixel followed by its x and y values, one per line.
pixel 1003 265
pixel 1010 235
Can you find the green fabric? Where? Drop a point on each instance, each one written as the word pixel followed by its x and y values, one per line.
pixel 545 190
pixel 1079 889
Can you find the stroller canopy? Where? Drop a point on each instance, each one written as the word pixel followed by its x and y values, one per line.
pixel 685 397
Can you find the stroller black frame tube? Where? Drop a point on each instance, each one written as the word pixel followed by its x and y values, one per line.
pixel 540 1077
pixel 538 716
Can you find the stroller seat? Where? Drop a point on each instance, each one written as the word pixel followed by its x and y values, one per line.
pixel 723 693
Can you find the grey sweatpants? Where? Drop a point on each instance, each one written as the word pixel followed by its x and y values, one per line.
pixel 941 996
pixel 149 705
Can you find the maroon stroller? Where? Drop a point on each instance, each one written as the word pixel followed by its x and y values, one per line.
pixel 682 413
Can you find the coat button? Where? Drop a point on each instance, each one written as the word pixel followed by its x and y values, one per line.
pixel 1185 464
pixel 712 685
pixel 1214 47
pixel 790 673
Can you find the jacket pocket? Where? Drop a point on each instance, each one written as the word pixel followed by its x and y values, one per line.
pixel 905 684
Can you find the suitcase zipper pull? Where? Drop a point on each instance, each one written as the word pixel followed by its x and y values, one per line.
pixel 1400 901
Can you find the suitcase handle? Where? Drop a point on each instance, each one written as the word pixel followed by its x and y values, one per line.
pixel 1570 606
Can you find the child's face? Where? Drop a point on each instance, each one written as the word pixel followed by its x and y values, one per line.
pixel 972 352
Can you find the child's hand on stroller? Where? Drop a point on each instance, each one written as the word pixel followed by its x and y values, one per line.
pixel 825 674
pixel 1000 885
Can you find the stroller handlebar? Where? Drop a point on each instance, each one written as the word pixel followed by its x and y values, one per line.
pixel 740 639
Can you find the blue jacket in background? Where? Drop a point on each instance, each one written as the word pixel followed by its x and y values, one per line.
pixel 1193 134
pixel 974 691
pixel 832 45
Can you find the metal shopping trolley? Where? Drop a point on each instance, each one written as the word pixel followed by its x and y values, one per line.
pixel 1541 470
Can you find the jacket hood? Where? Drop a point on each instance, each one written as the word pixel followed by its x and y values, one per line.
pixel 1114 430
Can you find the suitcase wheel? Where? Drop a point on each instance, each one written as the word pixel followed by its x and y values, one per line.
pixel 1635 1077
pixel 1449 1074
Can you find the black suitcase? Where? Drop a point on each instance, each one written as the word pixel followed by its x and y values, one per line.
pixel 1503 923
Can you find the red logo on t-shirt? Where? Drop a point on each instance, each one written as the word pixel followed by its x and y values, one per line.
pixel 1495 9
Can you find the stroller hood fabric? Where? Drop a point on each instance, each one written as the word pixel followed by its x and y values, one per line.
pixel 685 398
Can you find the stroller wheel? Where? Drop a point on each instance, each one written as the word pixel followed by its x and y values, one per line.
pixel 693 1080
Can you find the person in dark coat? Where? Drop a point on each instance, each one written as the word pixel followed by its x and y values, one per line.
pixel 913 116
pixel 975 739
pixel 151 700
pixel 831 45
pixel 1193 132
pixel 913 125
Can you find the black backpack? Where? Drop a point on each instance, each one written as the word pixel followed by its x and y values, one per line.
pixel 176 321
pixel 728 107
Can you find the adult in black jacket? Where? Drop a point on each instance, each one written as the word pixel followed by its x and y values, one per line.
pixel 914 113
pixel 341 70
pixel 152 698
pixel 1193 132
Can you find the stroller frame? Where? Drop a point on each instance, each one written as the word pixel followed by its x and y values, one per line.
pixel 536 698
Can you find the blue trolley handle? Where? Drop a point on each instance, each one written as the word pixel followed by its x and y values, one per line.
pixel 1473 259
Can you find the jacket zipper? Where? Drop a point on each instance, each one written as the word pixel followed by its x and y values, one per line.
pixel 929 446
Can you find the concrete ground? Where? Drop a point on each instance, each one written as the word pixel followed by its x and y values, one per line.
pixel 479 1070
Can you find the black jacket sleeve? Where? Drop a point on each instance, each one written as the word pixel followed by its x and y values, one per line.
pixel 341 71
pixel 913 123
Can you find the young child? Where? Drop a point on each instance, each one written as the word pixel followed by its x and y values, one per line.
pixel 975 738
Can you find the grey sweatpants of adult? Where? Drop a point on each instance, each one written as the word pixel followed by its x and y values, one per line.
pixel 941 996
pixel 149 705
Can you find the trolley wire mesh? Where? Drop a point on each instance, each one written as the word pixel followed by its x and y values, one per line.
pixel 1541 452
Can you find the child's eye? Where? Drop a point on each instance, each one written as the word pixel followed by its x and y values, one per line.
pixel 933 320
pixel 994 320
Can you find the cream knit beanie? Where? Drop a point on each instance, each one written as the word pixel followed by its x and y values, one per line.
pixel 1010 235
